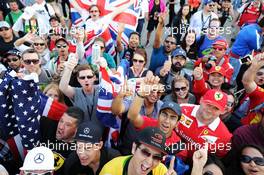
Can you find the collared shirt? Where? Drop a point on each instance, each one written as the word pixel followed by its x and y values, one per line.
pixel 196 133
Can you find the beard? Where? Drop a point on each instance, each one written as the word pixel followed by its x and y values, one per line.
pixel 176 67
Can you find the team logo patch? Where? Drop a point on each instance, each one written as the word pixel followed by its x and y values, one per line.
pixel 205 135
pixel 186 121
pixel 58 161
pixel 218 96
pixel 39 158
pixel 217 68
pixel 86 130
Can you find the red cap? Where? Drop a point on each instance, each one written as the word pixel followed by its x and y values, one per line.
pixel 216 98
pixel 218 69
pixel 221 44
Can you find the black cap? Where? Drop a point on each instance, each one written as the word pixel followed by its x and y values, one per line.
pixel 88 133
pixel 61 39
pixel 173 106
pixel 153 137
pixel 54 17
pixel 14 52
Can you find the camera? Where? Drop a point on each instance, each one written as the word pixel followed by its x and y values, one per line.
pixel 208 65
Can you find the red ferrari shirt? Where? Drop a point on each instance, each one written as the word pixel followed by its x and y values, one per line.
pixel 196 134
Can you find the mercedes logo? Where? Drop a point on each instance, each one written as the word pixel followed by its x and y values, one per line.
pixel 39 158
pixel 86 130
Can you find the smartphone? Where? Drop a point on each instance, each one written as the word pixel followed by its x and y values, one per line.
pixel 247 59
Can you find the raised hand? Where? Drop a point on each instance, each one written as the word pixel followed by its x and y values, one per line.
pixel 72 61
pixel 166 68
pixel 171 170
pixel 198 72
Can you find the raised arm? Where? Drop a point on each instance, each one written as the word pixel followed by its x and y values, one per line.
pixel 249 76
pixel 158 35
pixel 121 27
pixel 66 75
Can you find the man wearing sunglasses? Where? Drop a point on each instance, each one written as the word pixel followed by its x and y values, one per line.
pixel 253 81
pixel 147 154
pixel 7 38
pixel 219 48
pixel 173 67
pixel 38 161
pixel 14 60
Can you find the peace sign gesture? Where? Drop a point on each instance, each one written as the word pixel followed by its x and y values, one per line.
pixel 171 170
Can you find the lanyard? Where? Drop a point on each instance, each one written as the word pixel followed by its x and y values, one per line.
pixel 204 22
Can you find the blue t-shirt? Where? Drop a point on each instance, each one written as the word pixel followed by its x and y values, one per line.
pixel 248 39
pixel 206 46
pixel 158 57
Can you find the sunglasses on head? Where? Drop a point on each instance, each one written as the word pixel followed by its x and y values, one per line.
pixel 169 42
pixel 28 62
pixel 88 77
pixel 61 46
pixel 12 60
pixel 138 61
pixel 257 160
pixel 4 29
pixel 180 89
pixel 39 44
pixel 146 154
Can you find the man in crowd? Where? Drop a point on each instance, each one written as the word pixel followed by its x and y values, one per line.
pixel 201 124
pixel 161 52
pixel 14 14
pixel 7 38
pixel 91 155
pixel 148 151
pixel 13 59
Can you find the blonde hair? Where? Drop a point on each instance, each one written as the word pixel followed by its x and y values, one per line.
pixel 55 86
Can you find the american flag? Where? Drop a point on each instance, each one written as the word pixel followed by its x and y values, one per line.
pixel 110 85
pixel 128 17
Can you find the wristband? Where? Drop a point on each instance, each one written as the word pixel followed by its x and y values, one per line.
pixel 139 95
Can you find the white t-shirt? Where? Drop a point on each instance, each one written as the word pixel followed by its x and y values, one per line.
pixel 144 8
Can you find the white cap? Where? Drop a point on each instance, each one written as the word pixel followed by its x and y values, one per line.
pixel 4 24
pixel 28 13
pixel 3 170
pixel 39 158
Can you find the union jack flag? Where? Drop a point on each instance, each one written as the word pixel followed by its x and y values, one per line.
pixel 128 17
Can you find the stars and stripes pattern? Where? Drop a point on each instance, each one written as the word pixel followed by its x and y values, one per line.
pixel 110 85
pixel 128 17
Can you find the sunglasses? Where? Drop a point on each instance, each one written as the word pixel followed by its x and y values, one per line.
pixel 138 61
pixel 146 154
pixel 217 48
pixel 61 46
pixel 12 60
pixel 180 89
pixel 94 11
pixel 4 29
pixel 169 42
pixel 39 44
pixel 28 62
pixel 259 73
pixel 257 160
pixel 88 77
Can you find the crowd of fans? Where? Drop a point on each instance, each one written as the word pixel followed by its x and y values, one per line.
pixel 193 105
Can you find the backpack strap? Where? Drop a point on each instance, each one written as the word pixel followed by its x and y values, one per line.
pixel 47 9
pixel 48 74
pixel 11 19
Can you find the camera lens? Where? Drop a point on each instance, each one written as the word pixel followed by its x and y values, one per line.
pixel 208 66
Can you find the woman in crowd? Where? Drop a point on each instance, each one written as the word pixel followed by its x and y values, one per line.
pixel 181 22
pixel 180 91
pixel 189 45
pixel 138 70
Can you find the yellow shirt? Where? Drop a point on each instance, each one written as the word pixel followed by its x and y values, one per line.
pixel 115 167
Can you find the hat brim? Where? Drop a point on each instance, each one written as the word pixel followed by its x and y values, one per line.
pixel 153 147
pixel 220 107
pixel 171 109
pixel 221 73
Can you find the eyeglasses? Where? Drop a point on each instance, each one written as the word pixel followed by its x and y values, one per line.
pixel 138 61
pixel 180 89
pixel 217 48
pixel 12 60
pixel 33 173
pixel 171 117
pixel 39 44
pixel 211 5
pixel 94 11
pixel 28 62
pixel 230 104
pixel 169 42
pixel 61 46
pixel 146 154
pixel 4 29
pixel 88 77
pixel 257 160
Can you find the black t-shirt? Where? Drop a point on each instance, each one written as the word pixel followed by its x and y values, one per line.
pixel 5 47
pixel 72 165
pixel 4 7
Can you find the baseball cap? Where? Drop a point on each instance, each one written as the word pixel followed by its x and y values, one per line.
pixel 218 69
pixel 61 39
pixel 173 106
pixel 220 43
pixel 216 98
pixel 54 17
pixel 179 52
pixel 14 52
pixel 88 133
pixel 39 158
pixel 205 2
pixel 28 13
pixel 153 137
pixel 4 24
